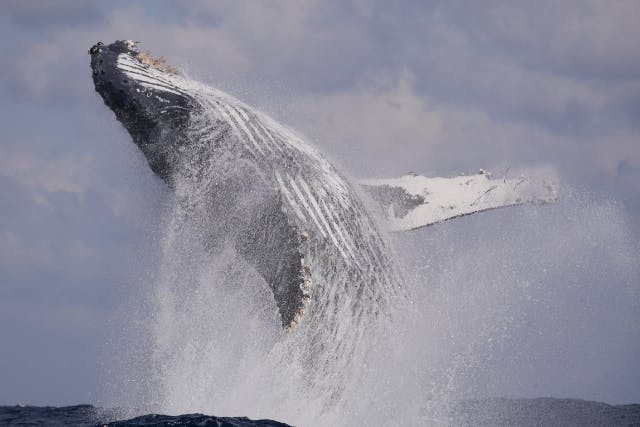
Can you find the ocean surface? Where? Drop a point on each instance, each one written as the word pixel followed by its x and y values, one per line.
pixel 88 415
pixel 484 412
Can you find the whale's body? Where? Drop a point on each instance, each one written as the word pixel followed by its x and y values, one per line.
pixel 258 186
pixel 289 212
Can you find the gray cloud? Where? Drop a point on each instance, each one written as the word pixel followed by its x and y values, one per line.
pixel 588 39
pixel 51 14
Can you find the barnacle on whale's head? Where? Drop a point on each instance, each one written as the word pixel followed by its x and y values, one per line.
pixel 160 63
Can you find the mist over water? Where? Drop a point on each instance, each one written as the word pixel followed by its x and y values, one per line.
pixel 537 302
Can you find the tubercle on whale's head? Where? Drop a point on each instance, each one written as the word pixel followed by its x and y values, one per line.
pixel 147 97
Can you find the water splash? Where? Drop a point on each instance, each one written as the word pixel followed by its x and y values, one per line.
pixel 507 303
pixel 490 303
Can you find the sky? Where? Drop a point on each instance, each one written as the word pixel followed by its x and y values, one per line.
pixel 383 88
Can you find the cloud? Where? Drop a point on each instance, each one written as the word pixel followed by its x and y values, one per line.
pixel 15 251
pixel 311 45
pixel 69 173
pixel 341 122
pixel 387 127
pixel 49 14
pixel 439 88
pixel 590 39
pixel 297 43
pixel 482 58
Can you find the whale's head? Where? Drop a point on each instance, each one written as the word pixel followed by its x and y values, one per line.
pixel 147 96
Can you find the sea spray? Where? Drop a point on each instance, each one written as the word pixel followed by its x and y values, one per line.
pixel 499 304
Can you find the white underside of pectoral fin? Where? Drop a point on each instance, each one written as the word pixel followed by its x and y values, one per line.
pixel 414 201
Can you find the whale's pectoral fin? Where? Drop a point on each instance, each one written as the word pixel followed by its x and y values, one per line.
pixel 273 247
pixel 414 201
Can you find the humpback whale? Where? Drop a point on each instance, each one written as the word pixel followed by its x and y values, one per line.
pixel 297 220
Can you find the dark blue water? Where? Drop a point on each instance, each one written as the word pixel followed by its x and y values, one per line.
pixel 485 412
pixel 87 415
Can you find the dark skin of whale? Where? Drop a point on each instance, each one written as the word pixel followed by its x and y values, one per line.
pixel 138 112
